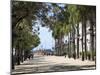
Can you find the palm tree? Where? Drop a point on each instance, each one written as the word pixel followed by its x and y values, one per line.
pixel 78 40
pixel 85 41
pixel 73 20
pixel 83 17
pixel 82 40
pixel 92 24
pixel 88 13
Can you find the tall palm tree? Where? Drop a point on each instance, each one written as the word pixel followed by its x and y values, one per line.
pixel 78 40
pixel 92 24
pixel 82 40
pixel 83 15
pixel 88 12
pixel 85 34
pixel 73 20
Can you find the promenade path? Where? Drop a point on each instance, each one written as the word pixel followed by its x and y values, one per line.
pixel 41 64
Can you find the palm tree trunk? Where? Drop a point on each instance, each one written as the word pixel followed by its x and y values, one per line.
pixel 58 46
pixel 73 36
pixel 74 54
pixel 12 60
pixel 85 40
pixel 69 45
pixel 78 41
pixel 18 58
pixel 92 39
pixel 82 40
pixel 18 55
pixel 12 57
pixel 95 41
pixel 22 55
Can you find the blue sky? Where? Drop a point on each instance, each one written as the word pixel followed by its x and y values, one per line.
pixel 46 39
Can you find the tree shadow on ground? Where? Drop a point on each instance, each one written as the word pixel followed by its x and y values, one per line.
pixel 54 68
pixel 72 67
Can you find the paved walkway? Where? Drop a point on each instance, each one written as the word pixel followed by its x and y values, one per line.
pixel 52 64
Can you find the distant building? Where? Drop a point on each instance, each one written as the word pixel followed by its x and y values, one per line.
pixel 43 52
pixel 38 52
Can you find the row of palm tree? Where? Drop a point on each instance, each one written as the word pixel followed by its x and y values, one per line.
pixel 65 21
pixel 73 16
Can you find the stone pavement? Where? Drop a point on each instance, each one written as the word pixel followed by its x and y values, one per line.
pixel 42 64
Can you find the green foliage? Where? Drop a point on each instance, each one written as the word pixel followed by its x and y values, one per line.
pixel 22 15
pixel 62 22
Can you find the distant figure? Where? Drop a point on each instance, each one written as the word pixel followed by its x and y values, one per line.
pixel 65 55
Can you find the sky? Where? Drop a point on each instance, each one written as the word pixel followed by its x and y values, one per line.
pixel 46 39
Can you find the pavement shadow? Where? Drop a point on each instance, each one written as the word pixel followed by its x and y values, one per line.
pixel 54 68
pixel 72 67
